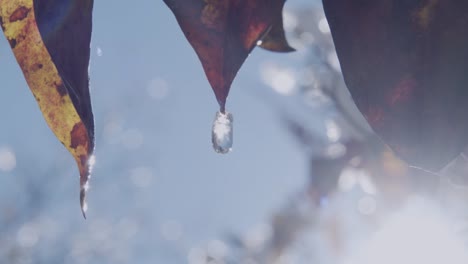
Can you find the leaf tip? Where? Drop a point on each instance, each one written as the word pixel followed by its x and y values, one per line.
pixel 84 205
pixel 85 173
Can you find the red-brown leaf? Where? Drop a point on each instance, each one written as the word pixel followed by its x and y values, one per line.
pixel 223 33
pixel 405 63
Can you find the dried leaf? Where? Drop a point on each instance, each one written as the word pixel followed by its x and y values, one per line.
pixel 50 40
pixel 275 38
pixel 223 33
pixel 405 63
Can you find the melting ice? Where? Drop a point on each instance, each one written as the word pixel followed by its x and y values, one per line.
pixel 221 136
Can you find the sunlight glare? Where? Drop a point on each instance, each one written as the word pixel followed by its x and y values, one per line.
pixel 418 233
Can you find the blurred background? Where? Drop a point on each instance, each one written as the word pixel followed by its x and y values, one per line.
pixel 306 182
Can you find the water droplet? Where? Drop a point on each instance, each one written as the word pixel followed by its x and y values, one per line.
pixel 221 135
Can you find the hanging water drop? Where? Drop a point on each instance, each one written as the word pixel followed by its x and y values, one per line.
pixel 221 135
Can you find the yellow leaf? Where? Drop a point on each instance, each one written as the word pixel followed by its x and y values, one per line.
pixel 18 21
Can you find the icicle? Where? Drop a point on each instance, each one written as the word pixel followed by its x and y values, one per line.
pixel 221 135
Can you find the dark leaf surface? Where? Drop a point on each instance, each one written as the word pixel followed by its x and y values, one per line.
pixel 405 63
pixel 65 27
pixel 275 38
pixel 223 33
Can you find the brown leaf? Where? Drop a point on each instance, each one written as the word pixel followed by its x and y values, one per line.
pixel 275 38
pixel 223 33
pixel 405 63
pixel 55 67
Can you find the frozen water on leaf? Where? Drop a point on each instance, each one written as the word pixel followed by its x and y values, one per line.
pixel 221 135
